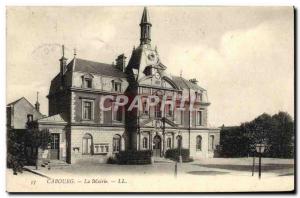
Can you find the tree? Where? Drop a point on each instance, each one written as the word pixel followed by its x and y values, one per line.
pixel 282 136
pixel 233 142
pixel 36 139
pixel 19 141
pixel 15 151
pixel 276 131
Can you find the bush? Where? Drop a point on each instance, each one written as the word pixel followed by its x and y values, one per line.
pixel 134 157
pixel 15 151
pixel 173 154
pixel 112 160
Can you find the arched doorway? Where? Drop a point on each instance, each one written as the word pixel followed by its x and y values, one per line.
pixel 87 141
pixel 156 146
pixel 116 143
pixel 179 141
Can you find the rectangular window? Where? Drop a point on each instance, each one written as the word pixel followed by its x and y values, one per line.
pixel 158 110
pixel 199 118
pixel 169 142
pixel 200 96
pixel 87 110
pixel 145 110
pixel 118 114
pixel 169 110
pixel 181 117
pixel 145 143
pixel 87 83
pixel 117 87
pixel 54 141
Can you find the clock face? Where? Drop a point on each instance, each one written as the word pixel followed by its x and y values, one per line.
pixel 151 57
pixel 157 75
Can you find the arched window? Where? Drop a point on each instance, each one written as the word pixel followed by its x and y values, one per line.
pixel 87 144
pixel 145 143
pixel 169 142
pixel 179 141
pixel 211 143
pixel 199 143
pixel 116 143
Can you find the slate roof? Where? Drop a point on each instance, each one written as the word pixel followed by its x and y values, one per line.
pixel 98 68
pixel 145 16
pixel 135 59
pixel 55 83
pixel 87 66
pixel 16 101
pixel 55 119
pixel 185 84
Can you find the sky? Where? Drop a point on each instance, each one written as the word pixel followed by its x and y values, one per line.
pixel 242 56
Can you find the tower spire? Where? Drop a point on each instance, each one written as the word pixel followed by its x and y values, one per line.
pixel 63 50
pixel 37 104
pixel 75 52
pixel 145 28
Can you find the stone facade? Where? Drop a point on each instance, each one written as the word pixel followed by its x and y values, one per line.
pixel 87 133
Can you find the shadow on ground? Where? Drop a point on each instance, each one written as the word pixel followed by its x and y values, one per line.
pixel 207 173
pixel 288 174
pixel 265 167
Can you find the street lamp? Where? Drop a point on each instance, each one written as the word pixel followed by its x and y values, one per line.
pixel 260 149
pixel 180 157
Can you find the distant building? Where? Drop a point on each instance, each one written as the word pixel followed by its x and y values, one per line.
pixel 19 112
pixel 81 130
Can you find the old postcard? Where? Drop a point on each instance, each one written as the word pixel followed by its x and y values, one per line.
pixel 150 99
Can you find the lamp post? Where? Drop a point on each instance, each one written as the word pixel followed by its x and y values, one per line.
pixel 180 145
pixel 253 149
pixel 163 126
pixel 260 149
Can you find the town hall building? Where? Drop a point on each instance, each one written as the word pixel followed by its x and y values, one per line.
pixel 81 130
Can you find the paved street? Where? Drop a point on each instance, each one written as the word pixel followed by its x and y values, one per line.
pixel 207 175
pixel 216 166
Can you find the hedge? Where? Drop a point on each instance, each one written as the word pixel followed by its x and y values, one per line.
pixel 134 157
pixel 173 154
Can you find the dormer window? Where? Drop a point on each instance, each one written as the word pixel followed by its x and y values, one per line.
pixel 200 96
pixel 116 85
pixel 87 81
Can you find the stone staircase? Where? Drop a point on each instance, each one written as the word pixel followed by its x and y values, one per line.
pixel 55 164
pixel 161 160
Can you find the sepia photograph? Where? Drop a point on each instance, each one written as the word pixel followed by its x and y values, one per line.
pixel 150 99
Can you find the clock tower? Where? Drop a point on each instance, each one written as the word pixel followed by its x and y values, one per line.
pixel 145 28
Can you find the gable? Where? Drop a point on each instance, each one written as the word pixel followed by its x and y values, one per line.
pixel 153 122
pixel 21 108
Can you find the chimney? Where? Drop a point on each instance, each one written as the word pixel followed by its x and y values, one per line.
pixel 63 65
pixel 37 104
pixel 193 80
pixel 121 62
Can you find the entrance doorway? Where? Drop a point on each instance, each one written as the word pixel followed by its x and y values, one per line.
pixel 54 151
pixel 157 146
